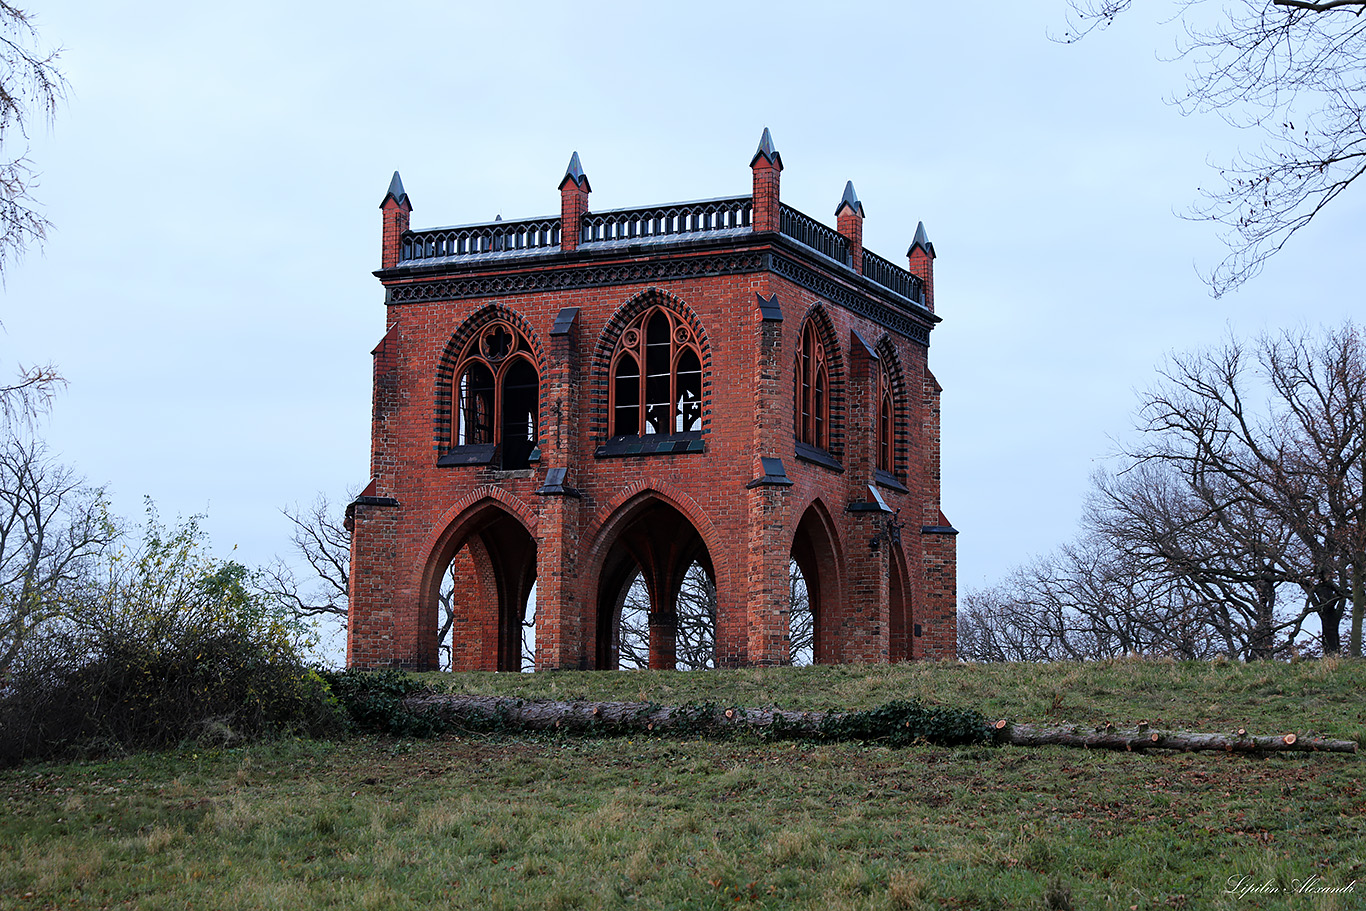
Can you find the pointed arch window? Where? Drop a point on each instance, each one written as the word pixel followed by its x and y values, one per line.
pixel 812 407
pixel 496 394
pixel 886 423
pixel 656 377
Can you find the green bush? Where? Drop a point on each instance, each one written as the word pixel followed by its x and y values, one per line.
pixel 373 701
pixel 165 645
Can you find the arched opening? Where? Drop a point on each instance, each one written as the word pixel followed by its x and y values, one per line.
pixel 482 597
pixel 900 631
pixel 657 595
pixel 494 398
pixel 813 573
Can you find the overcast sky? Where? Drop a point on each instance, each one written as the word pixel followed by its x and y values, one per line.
pixel 215 177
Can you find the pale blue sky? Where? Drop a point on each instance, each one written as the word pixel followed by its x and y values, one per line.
pixel 215 177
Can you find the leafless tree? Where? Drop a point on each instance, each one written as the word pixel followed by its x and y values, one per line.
pixel 28 396
pixel 1227 556
pixel 51 526
pixel 695 630
pixel 1087 600
pixel 1271 445
pixel 31 87
pixel 1293 70
pixel 801 622
pixel 320 537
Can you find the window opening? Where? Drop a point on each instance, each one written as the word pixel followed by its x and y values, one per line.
pixel 812 390
pixel 656 380
pixel 497 395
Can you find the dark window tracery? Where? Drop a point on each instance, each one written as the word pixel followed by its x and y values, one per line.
pixel 496 394
pixel 812 390
pixel 656 377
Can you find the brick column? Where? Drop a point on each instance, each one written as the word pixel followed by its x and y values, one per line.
pixel 921 256
pixel 849 215
pixel 397 209
pixel 767 166
pixel 937 613
pixel 864 626
pixel 574 190
pixel 562 642
pixel 770 507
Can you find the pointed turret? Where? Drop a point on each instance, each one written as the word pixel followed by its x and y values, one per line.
pixel 922 240
pixel 574 173
pixel 849 222
pixel 574 190
pixel 921 256
pixel 396 191
pixel 849 200
pixel 396 208
pixel 766 151
pixel 767 165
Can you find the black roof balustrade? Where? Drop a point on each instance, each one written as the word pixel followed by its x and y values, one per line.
pixel 893 277
pixel 699 217
pixel 672 223
pixel 530 235
pixel 807 231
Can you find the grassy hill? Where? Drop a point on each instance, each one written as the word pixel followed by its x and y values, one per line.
pixel 553 822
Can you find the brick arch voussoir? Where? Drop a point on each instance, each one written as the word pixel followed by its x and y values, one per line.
pixel 442 405
pixel 611 334
pixel 455 525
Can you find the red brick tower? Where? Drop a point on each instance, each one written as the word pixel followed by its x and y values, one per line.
pixel 574 402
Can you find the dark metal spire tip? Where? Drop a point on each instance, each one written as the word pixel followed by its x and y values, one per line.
pixel 396 192
pixel 922 240
pixel 849 199
pixel 575 173
pixel 766 151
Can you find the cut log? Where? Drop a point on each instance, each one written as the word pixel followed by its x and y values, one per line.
pixel 1144 738
pixel 514 715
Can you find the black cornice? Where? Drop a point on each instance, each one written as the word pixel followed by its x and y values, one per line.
pixel 632 264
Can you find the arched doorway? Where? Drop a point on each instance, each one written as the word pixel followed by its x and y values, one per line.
pixel 656 594
pixel 479 597
pixel 814 560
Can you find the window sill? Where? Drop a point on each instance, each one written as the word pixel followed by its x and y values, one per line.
pixel 889 481
pixel 474 454
pixel 808 453
pixel 652 444
pixel 481 454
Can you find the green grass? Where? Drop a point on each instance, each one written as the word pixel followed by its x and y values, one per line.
pixel 546 822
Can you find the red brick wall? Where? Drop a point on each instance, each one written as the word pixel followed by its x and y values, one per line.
pixel 399 551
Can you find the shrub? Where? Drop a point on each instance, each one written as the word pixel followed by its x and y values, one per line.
pixel 167 645
pixel 373 700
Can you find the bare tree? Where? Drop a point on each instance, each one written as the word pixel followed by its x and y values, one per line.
pixel 801 622
pixel 1087 600
pixel 695 624
pixel 1272 447
pixel 1293 70
pixel 51 526
pixel 28 396
pixel 320 537
pixel 1226 555
pixel 31 87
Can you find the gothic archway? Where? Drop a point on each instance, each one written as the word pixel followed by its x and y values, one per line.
pixel 815 551
pixel 476 590
pixel 654 546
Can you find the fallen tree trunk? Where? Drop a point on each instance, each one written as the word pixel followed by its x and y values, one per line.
pixel 896 722
pixel 1141 738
